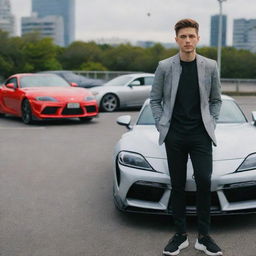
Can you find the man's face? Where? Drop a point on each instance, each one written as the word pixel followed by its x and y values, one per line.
pixel 187 39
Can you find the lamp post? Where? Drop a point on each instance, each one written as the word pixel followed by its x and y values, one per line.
pixel 220 36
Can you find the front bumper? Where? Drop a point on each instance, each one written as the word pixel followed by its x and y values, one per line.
pixel 149 192
pixel 55 110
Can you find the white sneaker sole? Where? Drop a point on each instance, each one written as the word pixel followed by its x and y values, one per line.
pixel 201 247
pixel 182 246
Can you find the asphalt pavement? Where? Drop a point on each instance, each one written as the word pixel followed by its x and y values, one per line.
pixel 56 195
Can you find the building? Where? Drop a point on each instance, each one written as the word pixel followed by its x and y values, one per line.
pixel 63 8
pixel 244 34
pixel 7 20
pixel 49 26
pixel 215 30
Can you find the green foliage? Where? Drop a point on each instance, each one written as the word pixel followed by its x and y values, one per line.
pixel 31 53
pixel 78 53
pixel 91 66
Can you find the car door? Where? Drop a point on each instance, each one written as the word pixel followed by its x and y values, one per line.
pixel 11 96
pixel 141 91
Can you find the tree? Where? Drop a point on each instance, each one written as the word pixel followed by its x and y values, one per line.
pixel 90 65
pixel 78 53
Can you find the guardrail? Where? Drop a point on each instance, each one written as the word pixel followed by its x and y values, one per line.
pixel 228 85
pixel 238 85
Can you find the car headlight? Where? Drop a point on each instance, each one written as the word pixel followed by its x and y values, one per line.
pixel 134 160
pixel 89 98
pixel 45 98
pixel 248 164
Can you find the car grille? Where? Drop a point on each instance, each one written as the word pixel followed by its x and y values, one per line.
pixel 90 109
pixel 147 192
pixel 240 194
pixel 49 110
pixel 72 111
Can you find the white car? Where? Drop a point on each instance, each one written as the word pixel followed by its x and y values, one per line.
pixel 141 176
pixel 124 91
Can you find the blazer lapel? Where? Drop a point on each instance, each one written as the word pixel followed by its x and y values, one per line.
pixel 201 76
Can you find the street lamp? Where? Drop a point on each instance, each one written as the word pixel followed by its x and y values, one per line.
pixel 220 36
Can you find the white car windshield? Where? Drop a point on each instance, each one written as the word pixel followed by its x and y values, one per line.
pixel 119 81
pixel 229 113
pixel 43 81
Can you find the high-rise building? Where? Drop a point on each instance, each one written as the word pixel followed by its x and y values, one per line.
pixel 244 34
pixel 215 30
pixel 49 26
pixel 7 20
pixel 63 8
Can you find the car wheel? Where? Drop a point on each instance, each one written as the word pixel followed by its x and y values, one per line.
pixel 85 119
pixel 26 112
pixel 109 102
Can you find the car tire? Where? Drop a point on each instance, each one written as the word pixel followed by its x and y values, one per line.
pixel 85 119
pixel 109 102
pixel 26 111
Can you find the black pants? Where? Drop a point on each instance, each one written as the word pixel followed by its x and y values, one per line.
pixel 199 147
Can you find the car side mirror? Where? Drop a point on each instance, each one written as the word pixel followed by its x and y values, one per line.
pixel 11 86
pixel 125 121
pixel 134 83
pixel 254 117
pixel 74 84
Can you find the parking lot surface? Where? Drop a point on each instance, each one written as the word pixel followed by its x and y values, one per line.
pixel 56 195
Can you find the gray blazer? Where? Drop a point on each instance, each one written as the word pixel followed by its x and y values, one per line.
pixel 164 90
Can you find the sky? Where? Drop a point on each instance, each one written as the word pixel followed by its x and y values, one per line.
pixel 152 20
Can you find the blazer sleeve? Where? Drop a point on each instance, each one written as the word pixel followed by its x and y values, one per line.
pixel 156 94
pixel 215 94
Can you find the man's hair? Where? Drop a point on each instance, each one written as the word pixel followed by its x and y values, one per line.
pixel 186 23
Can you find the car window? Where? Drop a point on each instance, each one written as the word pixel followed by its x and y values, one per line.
pixel 149 80
pixel 140 81
pixel 12 81
pixel 43 81
pixel 229 113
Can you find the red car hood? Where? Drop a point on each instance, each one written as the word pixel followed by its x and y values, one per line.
pixel 60 93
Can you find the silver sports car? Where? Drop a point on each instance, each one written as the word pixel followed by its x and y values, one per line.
pixel 123 91
pixel 141 176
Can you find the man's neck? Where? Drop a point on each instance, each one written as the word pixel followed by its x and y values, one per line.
pixel 187 56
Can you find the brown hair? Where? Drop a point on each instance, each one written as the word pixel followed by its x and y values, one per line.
pixel 186 23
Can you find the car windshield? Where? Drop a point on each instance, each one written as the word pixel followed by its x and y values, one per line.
pixel 119 81
pixel 229 113
pixel 43 81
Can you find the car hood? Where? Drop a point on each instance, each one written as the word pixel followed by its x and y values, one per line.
pixel 60 93
pixel 106 88
pixel 235 141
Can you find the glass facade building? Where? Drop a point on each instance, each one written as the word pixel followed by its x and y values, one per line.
pixel 63 8
pixel 244 34
pixel 49 26
pixel 7 20
pixel 215 30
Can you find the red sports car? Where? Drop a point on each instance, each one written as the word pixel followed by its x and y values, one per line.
pixel 45 96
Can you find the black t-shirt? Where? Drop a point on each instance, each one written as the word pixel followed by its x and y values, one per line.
pixel 186 117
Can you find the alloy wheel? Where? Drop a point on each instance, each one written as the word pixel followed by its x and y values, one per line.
pixel 109 103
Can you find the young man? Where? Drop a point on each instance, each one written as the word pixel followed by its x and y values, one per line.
pixel 185 101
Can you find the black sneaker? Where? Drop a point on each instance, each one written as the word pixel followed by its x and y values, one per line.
pixel 176 243
pixel 207 245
